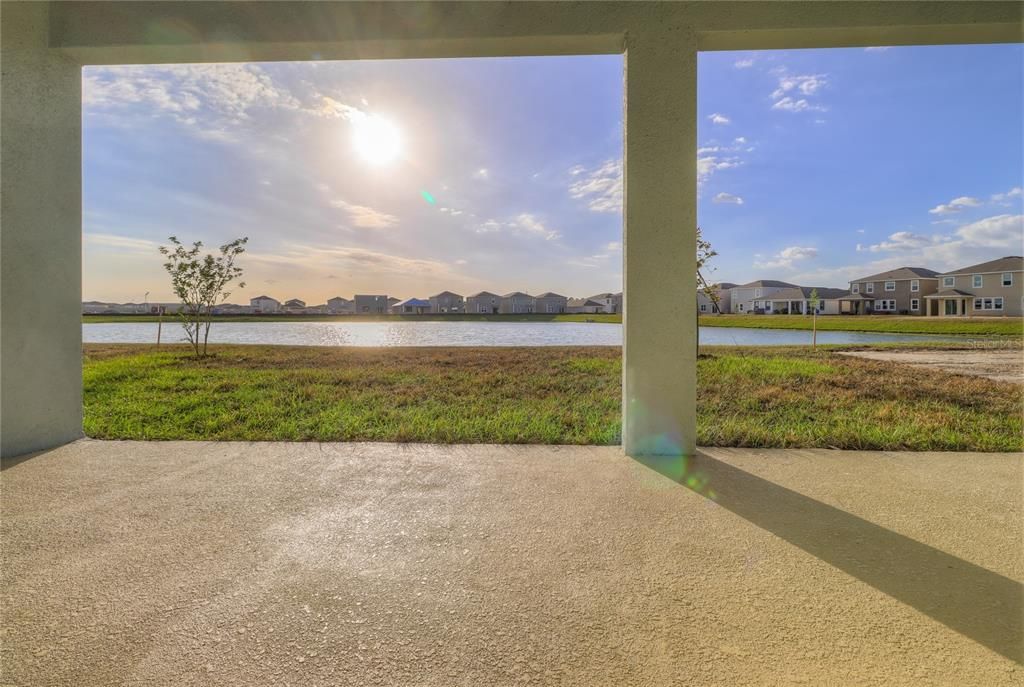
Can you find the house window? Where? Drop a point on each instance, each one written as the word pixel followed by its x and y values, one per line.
pixel 856 288
pixel 976 281
pixel 757 293
pixel 915 285
pixel 998 302
pixel 915 304
pixel 890 286
pixel 703 308
pixel 885 305
pixel 741 307
pixel 871 287
pixel 948 282
pixel 1007 278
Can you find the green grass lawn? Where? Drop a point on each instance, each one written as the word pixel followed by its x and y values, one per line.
pixel 777 397
pixel 1004 326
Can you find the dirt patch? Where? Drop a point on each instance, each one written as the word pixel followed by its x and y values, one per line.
pixel 1001 366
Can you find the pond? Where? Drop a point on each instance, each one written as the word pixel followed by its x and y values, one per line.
pixel 406 333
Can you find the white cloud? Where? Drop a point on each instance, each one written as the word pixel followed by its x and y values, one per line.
pixel 613 246
pixel 489 226
pixel 727 198
pixel 1001 231
pixel 364 216
pixel 955 205
pixel 905 240
pixel 741 140
pixel 788 104
pixel 878 48
pixel 601 187
pixel 785 258
pixel 744 64
pixel 482 173
pixel 787 95
pixel 719 118
pixel 706 166
pixel 532 225
pixel 1014 192
pixel 122 242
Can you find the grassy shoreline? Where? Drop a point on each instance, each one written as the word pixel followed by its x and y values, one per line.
pixel 752 397
pixel 1003 326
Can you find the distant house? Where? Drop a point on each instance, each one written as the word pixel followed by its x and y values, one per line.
pixel 447 302
pixel 707 306
pixel 222 309
pixel 340 306
pixel 371 304
pixel 751 298
pixel 610 302
pixel 797 301
pixel 897 291
pixel 484 302
pixel 516 303
pixel 987 289
pixel 264 304
pixel 583 305
pixel 294 305
pixel 549 302
pixel 411 306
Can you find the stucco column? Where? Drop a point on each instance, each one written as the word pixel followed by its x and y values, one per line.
pixel 41 241
pixel 659 248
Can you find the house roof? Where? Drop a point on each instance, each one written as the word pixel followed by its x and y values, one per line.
pixel 770 283
pixel 804 292
pixel 605 295
pixel 415 302
pixel 1009 263
pixel 516 293
pixel 294 300
pixel 549 294
pixel 482 294
pixel 856 297
pixel 901 273
pixel 337 298
pixel 950 293
pixel 583 302
pixel 725 285
pixel 447 293
pixel 264 298
pixel 370 295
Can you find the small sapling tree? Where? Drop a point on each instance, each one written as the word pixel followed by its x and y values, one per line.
pixel 814 319
pixel 200 282
pixel 704 254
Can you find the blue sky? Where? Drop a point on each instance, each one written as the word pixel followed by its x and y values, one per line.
pixel 814 167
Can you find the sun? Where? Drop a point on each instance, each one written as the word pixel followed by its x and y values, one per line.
pixel 376 139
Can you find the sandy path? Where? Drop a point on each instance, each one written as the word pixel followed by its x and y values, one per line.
pixel 1002 366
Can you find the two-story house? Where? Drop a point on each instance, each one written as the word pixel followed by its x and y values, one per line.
pixel 899 291
pixel 993 288
pixel 516 303
pixel 484 302
pixel 610 302
pixel 340 306
pixel 372 304
pixel 723 296
pixel 755 296
pixel 549 302
pixel 447 302
pixel 264 304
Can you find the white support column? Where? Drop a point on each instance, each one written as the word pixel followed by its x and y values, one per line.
pixel 41 243
pixel 659 247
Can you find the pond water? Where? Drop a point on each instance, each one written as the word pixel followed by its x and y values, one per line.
pixel 406 333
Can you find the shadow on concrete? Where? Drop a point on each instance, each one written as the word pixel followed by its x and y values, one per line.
pixel 978 603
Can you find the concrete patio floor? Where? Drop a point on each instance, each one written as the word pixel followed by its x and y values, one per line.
pixel 365 564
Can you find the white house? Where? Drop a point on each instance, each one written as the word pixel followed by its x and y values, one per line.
pixel 340 306
pixel 484 302
pixel 516 303
pixel 752 297
pixel 264 304
pixel 610 302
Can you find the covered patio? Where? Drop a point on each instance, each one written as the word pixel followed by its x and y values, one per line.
pixel 287 563
pixel 856 304
pixel 947 303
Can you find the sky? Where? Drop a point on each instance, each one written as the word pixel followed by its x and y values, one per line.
pixel 412 177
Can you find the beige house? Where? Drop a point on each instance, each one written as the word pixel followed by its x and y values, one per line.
pixel 447 302
pixel 610 302
pixel 900 291
pixel 484 302
pixel 751 298
pixel 264 304
pixel 708 306
pixel 583 305
pixel 989 289
pixel 516 303
pixel 798 301
pixel 549 303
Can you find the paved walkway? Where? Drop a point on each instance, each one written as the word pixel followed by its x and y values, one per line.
pixel 366 564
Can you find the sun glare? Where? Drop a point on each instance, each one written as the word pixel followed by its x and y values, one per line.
pixel 376 139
